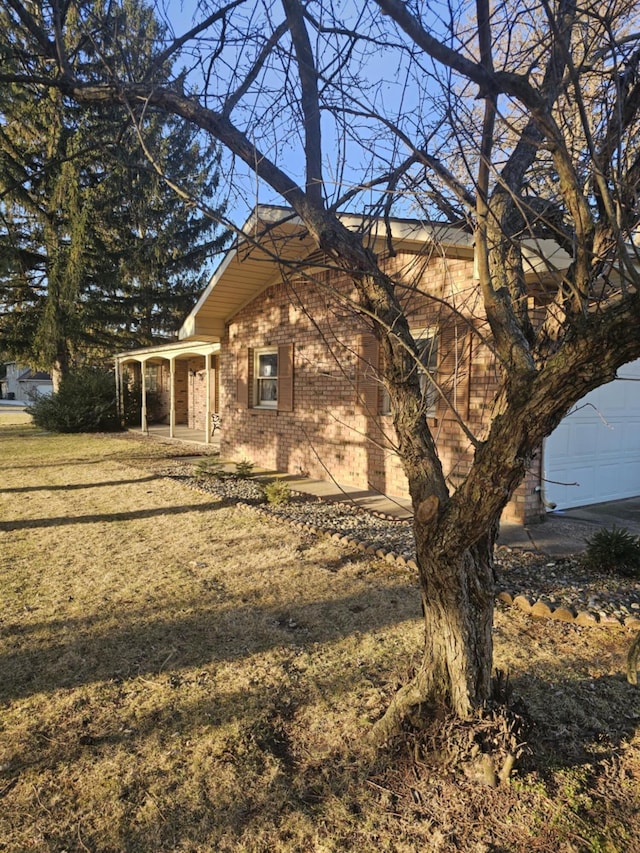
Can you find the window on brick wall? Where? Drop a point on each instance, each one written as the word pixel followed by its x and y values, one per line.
pixel 427 345
pixel 265 378
pixel 271 369
pixel 152 377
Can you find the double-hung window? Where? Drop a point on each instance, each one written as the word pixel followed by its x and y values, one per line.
pixel 265 377
pixel 152 377
pixel 427 346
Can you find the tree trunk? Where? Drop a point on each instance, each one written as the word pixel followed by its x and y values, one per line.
pixel 58 372
pixel 458 601
pixel 61 366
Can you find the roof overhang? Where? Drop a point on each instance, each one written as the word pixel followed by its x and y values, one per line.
pixel 168 352
pixel 274 240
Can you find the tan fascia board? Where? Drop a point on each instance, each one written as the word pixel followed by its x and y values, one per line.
pixel 178 348
pixel 407 235
pixel 544 259
pixel 190 320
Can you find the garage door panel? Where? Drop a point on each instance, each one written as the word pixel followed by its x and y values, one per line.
pixel 629 439
pixel 597 446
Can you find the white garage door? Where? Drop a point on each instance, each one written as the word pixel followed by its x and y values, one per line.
pixel 594 454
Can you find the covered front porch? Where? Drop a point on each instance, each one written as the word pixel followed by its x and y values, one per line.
pixel 176 388
pixel 184 434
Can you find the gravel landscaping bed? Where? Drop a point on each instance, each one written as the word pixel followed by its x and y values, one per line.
pixel 529 580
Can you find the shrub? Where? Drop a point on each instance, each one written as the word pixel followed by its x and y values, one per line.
pixel 209 467
pixel 616 550
pixel 85 402
pixel 244 468
pixel 132 399
pixel 277 492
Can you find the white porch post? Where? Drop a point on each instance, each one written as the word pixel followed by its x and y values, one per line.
pixel 172 405
pixel 121 395
pixel 118 379
pixel 207 416
pixel 143 418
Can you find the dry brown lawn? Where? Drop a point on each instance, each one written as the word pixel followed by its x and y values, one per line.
pixel 177 674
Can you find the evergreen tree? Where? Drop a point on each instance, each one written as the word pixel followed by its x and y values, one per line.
pixel 97 251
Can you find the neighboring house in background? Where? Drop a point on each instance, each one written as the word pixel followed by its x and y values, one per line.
pixel 24 384
pixel 293 372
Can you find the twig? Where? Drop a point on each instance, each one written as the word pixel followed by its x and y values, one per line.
pixel 166 660
pixel 10 784
pixel 155 803
pixel 379 787
pixel 39 801
pixel 83 845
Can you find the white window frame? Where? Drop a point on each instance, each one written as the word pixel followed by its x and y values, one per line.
pixel 258 380
pixel 152 376
pixel 428 388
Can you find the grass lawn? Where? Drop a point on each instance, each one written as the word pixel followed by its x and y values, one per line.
pixel 177 674
pixel 12 415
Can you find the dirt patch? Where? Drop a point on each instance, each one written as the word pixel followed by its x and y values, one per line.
pixel 182 674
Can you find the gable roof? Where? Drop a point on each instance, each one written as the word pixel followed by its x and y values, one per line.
pixel 35 376
pixel 274 236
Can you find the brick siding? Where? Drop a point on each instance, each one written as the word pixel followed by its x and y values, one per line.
pixel 331 433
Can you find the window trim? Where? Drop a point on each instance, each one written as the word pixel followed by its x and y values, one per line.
pixel 429 333
pixel 152 378
pixel 424 333
pixel 269 405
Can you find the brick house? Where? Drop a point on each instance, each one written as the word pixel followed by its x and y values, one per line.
pixel 274 348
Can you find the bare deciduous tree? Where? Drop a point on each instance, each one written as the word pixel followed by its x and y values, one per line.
pixel 518 125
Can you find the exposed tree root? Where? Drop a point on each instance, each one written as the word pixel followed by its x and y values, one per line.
pixel 401 710
pixel 484 746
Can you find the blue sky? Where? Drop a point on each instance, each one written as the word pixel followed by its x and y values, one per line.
pixel 184 13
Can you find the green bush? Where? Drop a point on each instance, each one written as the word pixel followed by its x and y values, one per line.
pixel 244 468
pixel 616 550
pixel 277 492
pixel 85 402
pixel 132 400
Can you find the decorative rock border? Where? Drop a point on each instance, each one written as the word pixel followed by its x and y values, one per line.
pixel 537 608
pixel 361 545
pixel 540 609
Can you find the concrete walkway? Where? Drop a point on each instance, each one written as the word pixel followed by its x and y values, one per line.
pixel 563 532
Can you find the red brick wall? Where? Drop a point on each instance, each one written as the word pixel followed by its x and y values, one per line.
pixel 325 436
pixel 182 392
pixel 197 391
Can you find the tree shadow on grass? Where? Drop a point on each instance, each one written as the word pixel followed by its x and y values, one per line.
pixel 253 774
pixel 60 654
pixel 241 764
pixel 577 721
pixel 131 515
pixel 63 463
pixel 70 487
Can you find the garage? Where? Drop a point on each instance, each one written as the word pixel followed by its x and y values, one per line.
pixel 594 454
